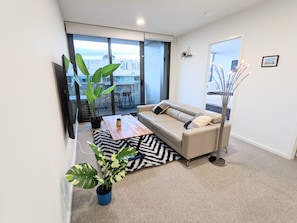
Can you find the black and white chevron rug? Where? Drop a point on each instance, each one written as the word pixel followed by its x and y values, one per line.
pixel 154 151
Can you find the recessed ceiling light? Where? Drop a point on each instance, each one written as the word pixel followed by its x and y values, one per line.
pixel 140 21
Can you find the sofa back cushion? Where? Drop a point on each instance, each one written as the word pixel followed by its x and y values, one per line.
pixel 174 113
pixel 175 108
pixel 184 117
pixel 177 114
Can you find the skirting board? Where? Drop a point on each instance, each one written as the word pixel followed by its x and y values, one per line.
pixel 261 146
pixel 67 188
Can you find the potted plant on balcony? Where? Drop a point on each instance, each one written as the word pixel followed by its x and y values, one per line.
pixel 94 89
pixel 84 175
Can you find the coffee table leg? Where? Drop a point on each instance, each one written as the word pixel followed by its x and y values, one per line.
pixel 139 142
pixel 139 155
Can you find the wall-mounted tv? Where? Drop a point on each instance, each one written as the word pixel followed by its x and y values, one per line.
pixel 66 90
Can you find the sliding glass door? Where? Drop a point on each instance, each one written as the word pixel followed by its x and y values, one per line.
pixel 156 63
pixel 127 77
pixel 98 52
pixel 142 78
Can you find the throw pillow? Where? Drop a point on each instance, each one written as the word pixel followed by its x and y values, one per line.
pixel 160 108
pixel 190 121
pixel 197 122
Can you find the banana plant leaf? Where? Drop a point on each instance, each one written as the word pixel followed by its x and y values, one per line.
pixel 81 64
pixel 75 77
pixel 66 62
pixel 108 90
pixel 108 69
pixel 90 96
pixel 97 75
pixel 104 72
pixel 82 175
pixel 98 91
pixel 93 93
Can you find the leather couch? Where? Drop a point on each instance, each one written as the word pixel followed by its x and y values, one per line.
pixel 170 127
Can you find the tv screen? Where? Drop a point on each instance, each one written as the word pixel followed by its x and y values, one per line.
pixel 66 91
pixel 71 79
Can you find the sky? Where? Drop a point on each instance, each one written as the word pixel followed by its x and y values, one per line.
pixel 96 50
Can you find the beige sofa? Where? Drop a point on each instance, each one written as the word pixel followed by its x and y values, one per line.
pixel 169 126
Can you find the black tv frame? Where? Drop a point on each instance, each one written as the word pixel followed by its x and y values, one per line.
pixel 63 92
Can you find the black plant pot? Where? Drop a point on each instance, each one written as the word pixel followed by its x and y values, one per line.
pixel 104 195
pixel 96 122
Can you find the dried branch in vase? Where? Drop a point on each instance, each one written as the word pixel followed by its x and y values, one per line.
pixel 227 84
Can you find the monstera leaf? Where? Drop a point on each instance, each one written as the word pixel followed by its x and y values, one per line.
pixel 124 153
pixel 113 170
pixel 99 155
pixel 82 175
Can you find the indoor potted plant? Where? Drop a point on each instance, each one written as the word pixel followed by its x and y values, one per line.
pixel 84 175
pixel 94 89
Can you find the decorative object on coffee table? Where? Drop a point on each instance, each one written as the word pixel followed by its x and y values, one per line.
pixel 129 127
pixel 226 85
pixel 84 175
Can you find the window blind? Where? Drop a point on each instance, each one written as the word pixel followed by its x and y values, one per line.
pixel 158 37
pixel 108 32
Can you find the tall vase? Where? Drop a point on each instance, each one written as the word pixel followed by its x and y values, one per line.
pixel 104 195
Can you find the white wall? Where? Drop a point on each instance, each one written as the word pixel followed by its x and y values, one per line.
pixel 33 144
pixel 264 107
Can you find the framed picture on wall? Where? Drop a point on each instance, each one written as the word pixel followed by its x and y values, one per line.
pixel 270 61
pixel 234 64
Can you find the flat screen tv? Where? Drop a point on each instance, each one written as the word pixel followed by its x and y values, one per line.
pixel 67 97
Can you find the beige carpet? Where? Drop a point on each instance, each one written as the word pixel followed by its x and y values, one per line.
pixel 255 186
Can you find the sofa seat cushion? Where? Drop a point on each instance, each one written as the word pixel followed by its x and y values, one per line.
pixel 153 118
pixel 171 130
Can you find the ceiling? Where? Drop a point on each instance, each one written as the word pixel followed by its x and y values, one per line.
pixel 161 16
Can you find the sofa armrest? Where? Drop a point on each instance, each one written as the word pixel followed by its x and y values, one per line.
pixel 141 108
pixel 199 141
pixel 196 136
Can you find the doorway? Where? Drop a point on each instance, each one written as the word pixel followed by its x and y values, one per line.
pixel 227 54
